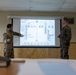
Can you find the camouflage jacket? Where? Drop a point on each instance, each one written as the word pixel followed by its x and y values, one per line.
pixel 65 36
pixel 9 35
pixel 6 36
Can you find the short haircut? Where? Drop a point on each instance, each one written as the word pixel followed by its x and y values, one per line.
pixel 9 25
pixel 66 19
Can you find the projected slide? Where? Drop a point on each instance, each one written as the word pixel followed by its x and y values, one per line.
pixel 37 32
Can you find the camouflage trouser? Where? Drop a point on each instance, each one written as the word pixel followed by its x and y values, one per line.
pixel 9 53
pixel 64 53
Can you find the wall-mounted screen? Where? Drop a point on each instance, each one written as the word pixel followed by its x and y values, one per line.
pixel 37 32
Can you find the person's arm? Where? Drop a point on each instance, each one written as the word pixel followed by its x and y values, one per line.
pixel 18 34
pixel 6 39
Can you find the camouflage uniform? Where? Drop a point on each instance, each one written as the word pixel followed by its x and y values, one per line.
pixel 65 37
pixel 8 46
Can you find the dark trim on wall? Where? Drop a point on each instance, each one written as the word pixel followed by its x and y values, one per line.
pixel 73 42
pixel 12 21
pixel 60 24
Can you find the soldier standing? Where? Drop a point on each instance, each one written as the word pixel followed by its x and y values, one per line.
pixel 8 41
pixel 65 37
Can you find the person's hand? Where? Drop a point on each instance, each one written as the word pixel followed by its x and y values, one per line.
pixel 58 36
pixel 21 35
pixel 8 40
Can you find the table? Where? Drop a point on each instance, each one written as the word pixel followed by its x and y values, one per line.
pixel 40 67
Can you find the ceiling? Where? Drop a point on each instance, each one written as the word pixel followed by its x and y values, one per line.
pixel 38 5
